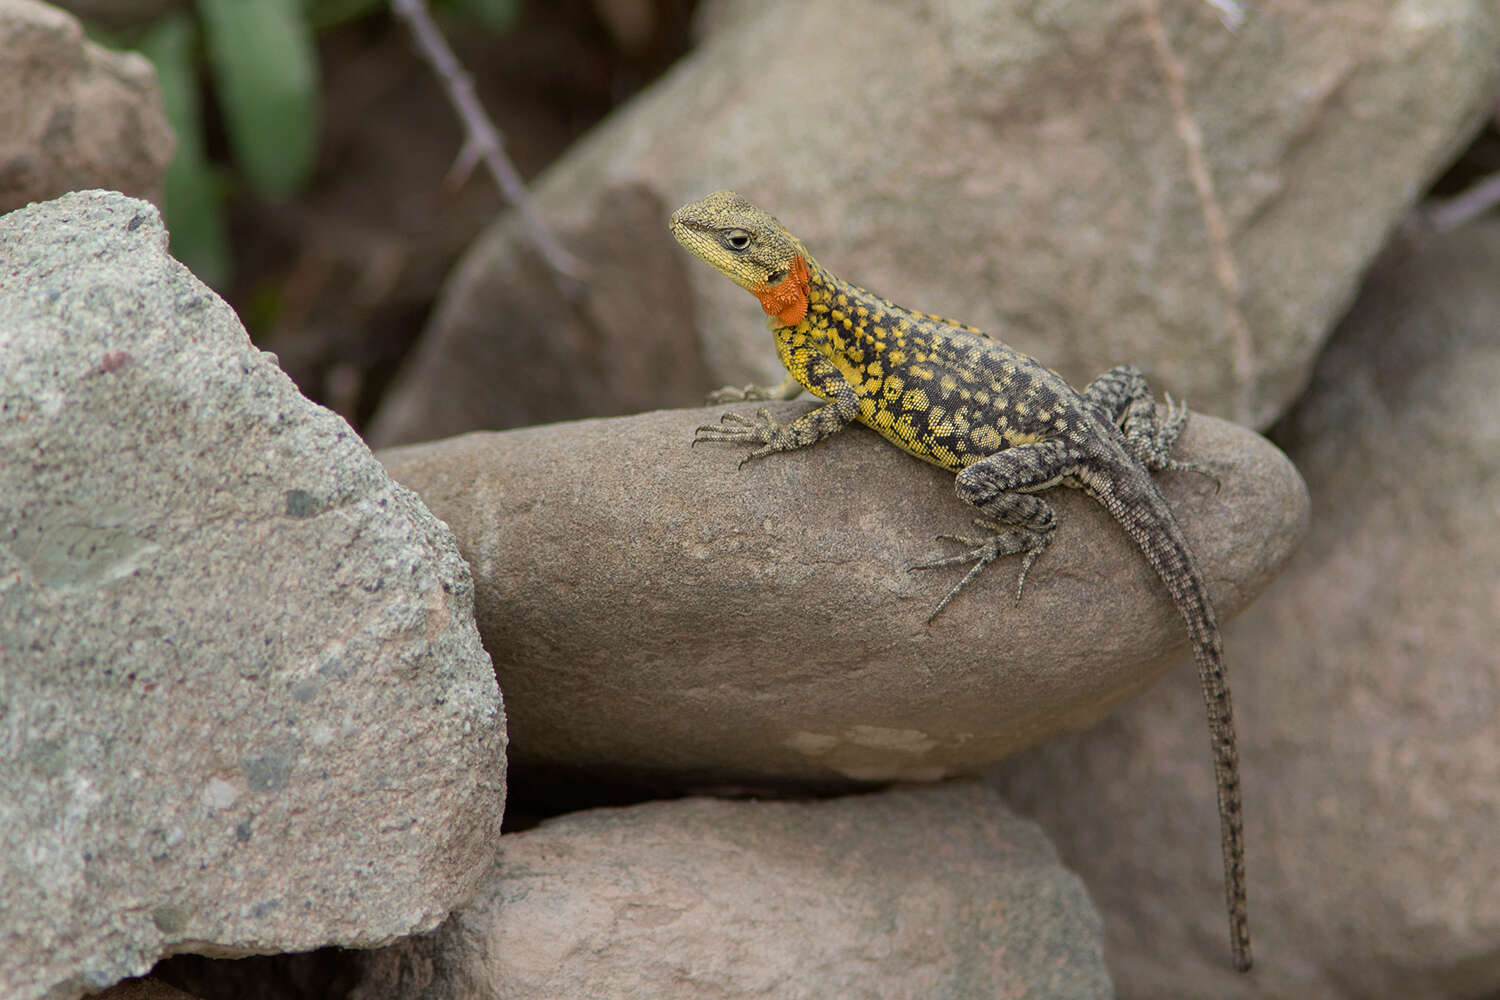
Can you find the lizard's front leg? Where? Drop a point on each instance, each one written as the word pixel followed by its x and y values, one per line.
pixel 789 388
pixel 810 428
pixel 1001 486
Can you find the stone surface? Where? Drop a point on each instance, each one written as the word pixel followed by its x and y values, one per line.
pixel 513 349
pixel 1095 181
pixel 74 115
pixel 243 704
pixel 937 894
pixel 143 989
pixel 1366 688
pixel 650 606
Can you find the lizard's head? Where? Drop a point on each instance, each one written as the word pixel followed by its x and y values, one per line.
pixel 749 246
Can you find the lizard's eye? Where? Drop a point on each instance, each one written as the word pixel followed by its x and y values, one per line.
pixel 737 239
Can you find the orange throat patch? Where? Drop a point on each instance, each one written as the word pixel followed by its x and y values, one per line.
pixel 787 299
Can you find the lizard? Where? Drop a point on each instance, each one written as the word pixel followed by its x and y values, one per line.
pixel 1007 426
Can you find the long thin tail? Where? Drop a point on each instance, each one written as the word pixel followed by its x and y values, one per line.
pixel 1146 517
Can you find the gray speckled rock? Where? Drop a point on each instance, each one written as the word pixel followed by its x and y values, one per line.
pixel 1095 181
pixel 74 114
pixel 243 704
pixel 932 894
pixel 651 606
pixel 1368 696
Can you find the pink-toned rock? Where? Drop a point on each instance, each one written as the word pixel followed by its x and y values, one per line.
pixel 515 349
pixel 1097 182
pixel 903 895
pixel 1366 686
pixel 74 115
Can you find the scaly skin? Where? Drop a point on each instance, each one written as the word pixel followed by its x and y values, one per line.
pixel 1007 426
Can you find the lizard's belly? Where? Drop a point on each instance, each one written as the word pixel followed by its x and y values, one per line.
pixel 952 437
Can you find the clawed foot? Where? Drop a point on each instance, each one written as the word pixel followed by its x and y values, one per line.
pixel 737 428
pixel 1167 433
pixel 1005 541
pixel 1172 465
pixel 745 394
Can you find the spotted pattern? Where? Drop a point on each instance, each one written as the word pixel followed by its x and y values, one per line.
pixel 1008 427
pixel 942 391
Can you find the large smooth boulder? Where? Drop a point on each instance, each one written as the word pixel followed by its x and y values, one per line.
pixel 654 609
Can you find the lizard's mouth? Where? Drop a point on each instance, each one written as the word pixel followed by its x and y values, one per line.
pixel 685 234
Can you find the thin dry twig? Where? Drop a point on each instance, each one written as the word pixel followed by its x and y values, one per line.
pixel 1464 207
pixel 482 142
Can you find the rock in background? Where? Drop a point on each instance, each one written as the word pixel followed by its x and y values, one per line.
pixel 74 115
pixel 1095 182
pixel 653 608
pixel 930 894
pixel 143 989
pixel 626 342
pixel 243 704
pixel 1366 684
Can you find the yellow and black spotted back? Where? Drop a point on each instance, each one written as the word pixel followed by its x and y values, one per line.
pixel 940 390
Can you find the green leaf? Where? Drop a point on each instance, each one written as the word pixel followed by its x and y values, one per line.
pixel 322 14
pixel 194 207
pixel 265 72
pixel 497 15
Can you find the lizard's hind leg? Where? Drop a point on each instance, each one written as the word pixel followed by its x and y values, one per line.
pixel 1123 397
pixel 1001 486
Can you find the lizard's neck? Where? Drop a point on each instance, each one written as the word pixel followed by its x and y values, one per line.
pixel 806 282
pixel 786 301
pixel 825 287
